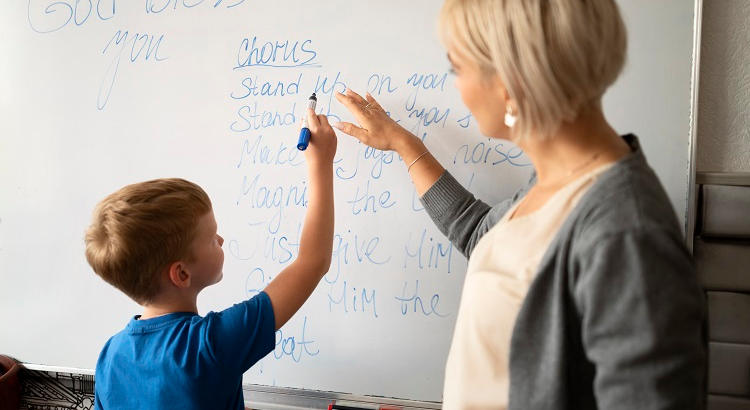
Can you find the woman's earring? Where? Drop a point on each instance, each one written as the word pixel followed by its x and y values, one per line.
pixel 510 119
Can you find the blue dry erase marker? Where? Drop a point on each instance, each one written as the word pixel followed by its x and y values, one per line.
pixel 304 133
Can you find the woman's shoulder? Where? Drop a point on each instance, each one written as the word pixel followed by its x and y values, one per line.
pixel 628 197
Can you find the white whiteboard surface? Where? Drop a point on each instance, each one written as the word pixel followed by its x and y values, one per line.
pixel 97 94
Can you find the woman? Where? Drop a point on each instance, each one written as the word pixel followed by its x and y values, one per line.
pixel 579 292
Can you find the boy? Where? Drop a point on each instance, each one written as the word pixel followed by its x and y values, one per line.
pixel 157 242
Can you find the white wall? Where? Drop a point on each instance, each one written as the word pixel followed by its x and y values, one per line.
pixel 724 99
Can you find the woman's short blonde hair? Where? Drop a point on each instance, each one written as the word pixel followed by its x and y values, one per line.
pixel 555 57
pixel 136 232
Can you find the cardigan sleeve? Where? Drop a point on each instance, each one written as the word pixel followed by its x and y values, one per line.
pixel 461 217
pixel 642 314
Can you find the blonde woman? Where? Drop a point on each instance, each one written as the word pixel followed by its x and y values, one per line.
pixel 579 292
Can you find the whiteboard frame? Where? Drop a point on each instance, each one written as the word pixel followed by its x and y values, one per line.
pixel 284 398
pixel 692 200
pixel 273 398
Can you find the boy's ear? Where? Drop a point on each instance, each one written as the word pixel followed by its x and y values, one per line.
pixel 178 274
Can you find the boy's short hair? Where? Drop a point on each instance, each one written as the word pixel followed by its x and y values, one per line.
pixel 139 230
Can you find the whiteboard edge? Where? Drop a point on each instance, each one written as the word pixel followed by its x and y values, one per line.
pixel 58 369
pixel 279 396
pixel 293 398
pixel 692 144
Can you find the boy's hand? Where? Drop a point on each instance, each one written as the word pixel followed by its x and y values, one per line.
pixel 323 140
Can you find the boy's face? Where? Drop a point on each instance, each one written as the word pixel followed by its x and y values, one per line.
pixel 207 256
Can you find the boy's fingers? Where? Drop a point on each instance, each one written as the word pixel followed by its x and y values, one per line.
pixel 323 120
pixel 351 129
pixel 312 120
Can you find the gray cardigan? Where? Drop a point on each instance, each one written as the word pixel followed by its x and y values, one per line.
pixel 614 318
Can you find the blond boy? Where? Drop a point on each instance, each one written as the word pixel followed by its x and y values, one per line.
pixel 157 241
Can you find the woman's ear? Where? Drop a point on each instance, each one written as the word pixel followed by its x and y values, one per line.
pixel 178 275
pixel 504 93
pixel 499 90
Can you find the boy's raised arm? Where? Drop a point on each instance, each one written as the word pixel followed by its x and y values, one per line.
pixel 291 288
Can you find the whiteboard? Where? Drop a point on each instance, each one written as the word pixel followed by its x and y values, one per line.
pixel 97 94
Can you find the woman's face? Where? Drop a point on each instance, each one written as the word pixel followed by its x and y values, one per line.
pixel 482 93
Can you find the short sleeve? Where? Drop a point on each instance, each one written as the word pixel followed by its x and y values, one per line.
pixel 243 334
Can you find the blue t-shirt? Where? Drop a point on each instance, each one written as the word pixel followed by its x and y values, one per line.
pixel 183 360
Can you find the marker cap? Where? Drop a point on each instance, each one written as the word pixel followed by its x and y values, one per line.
pixel 304 139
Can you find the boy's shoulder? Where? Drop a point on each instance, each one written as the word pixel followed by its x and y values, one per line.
pixel 244 331
pixel 110 358
pixel 204 356
pixel 136 365
pixel 149 337
pixel 112 344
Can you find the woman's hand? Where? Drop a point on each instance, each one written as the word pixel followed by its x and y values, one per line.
pixel 376 129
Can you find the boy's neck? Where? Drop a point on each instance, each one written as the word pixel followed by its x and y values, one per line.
pixel 167 305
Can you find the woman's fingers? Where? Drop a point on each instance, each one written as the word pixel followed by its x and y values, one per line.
pixel 372 102
pixel 350 103
pixel 354 103
pixel 375 128
pixel 356 97
pixel 351 129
